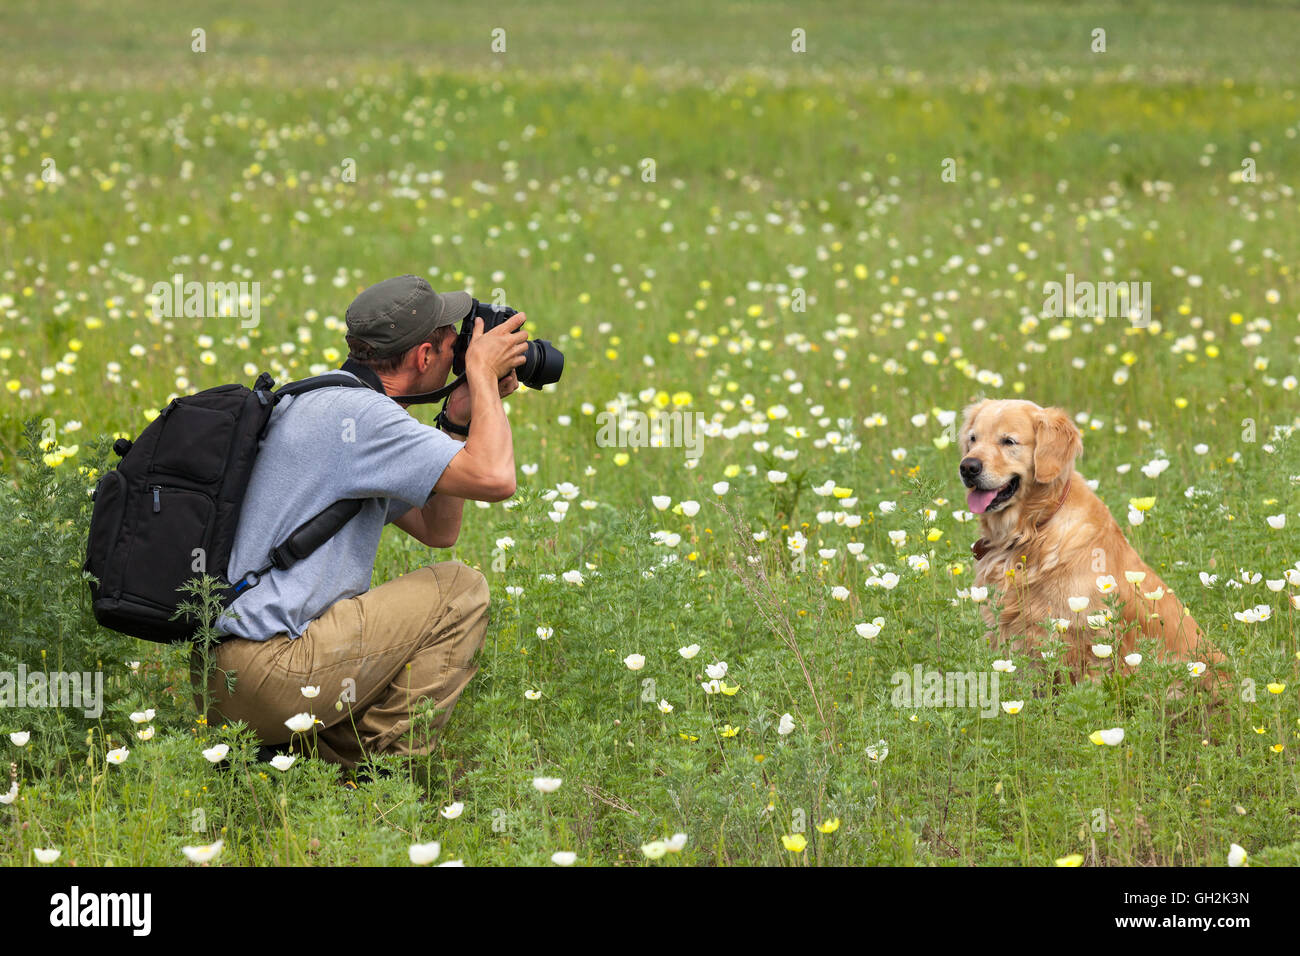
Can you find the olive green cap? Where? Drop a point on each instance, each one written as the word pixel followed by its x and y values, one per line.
pixel 397 314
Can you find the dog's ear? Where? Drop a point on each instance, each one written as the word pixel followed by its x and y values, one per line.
pixel 968 416
pixel 1057 442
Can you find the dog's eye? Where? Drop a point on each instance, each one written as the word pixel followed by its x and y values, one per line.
pixel 1008 440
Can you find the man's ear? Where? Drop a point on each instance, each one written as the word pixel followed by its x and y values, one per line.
pixel 1057 442
pixel 968 416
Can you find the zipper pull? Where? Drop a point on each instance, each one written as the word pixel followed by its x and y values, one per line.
pixel 157 505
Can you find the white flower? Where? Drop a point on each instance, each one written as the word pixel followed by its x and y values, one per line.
pixel 1134 577
pixel 1237 856
pixel 1102 650
pixel 878 751
pixel 546 633
pixel 145 734
pixel 45 856
pixel 202 854
pixel 134 666
pixel 453 863
pixel 1004 666
pixel 532 695
pixel 978 594
pixel 786 726
pixel 1196 668
pixel 1106 583
pixel 217 753
pixel 661 502
pixel 675 843
pixel 840 593
pixel 655 849
pixel 1013 706
pixel 452 810
pixel 898 538
pixel 634 662
pixel 870 629
pixel 889 580
pixel 1110 738
pixel 776 477
pixel 118 756
pixel 142 716
pixel 301 723
pixel 888 506
pixel 283 762
pixel 10 795
pixel 1276 522
pixel 665 707
pixel 20 737
pixel 690 508
pixel 309 691
pixel 721 487
pixel 710 686
pixel 421 853
pixel 547 784
pixel 689 651
pixel 572 577
pixel 1133 660
pixel 564 857
pixel 1077 604
pixel 513 590
pixel 506 543
pixel 716 671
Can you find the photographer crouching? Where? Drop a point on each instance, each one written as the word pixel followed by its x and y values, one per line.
pixel 313 635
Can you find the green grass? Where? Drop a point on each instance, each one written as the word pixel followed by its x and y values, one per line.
pixel 774 172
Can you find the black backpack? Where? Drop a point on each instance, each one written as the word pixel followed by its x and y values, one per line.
pixel 169 510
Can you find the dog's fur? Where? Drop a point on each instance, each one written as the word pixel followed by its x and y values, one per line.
pixel 1048 542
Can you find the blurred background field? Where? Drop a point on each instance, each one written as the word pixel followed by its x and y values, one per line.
pixel 776 175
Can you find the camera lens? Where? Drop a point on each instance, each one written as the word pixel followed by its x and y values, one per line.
pixel 543 364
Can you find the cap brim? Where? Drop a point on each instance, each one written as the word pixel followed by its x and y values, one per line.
pixel 453 306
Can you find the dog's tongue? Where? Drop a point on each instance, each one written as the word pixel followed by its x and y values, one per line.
pixel 978 500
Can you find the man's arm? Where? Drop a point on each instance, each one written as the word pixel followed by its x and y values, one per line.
pixel 485 469
pixel 437 524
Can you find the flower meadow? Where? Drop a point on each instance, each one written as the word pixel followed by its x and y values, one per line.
pixel 815 258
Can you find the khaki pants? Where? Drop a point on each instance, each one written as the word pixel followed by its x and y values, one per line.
pixel 384 654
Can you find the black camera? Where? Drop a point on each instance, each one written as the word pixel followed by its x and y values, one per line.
pixel 543 362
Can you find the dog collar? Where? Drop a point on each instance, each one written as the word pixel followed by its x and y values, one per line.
pixel 982 546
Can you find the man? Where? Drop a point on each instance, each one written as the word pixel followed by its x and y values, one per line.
pixel 410 643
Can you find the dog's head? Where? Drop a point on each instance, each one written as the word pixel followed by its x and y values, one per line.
pixel 1012 451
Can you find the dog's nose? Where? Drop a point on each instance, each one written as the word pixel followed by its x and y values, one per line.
pixel 971 468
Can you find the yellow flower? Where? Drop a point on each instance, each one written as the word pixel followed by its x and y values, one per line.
pixel 795 844
pixel 1259 730
pixel 1277 748
pixel 1276 688
pixel 1074 859
pixel 829 826
pixel 839 492
pixel 690 737
pixel 621 459
pixel 729 691
pixel 1142 504
pixel 730 731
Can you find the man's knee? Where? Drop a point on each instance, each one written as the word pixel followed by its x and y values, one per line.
pixel 462 584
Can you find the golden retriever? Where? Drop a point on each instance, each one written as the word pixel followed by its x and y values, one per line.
pixel 1046 538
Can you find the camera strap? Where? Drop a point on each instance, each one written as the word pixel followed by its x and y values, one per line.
pixel 420 398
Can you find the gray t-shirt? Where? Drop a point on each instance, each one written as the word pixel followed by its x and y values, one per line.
pixel 320 447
